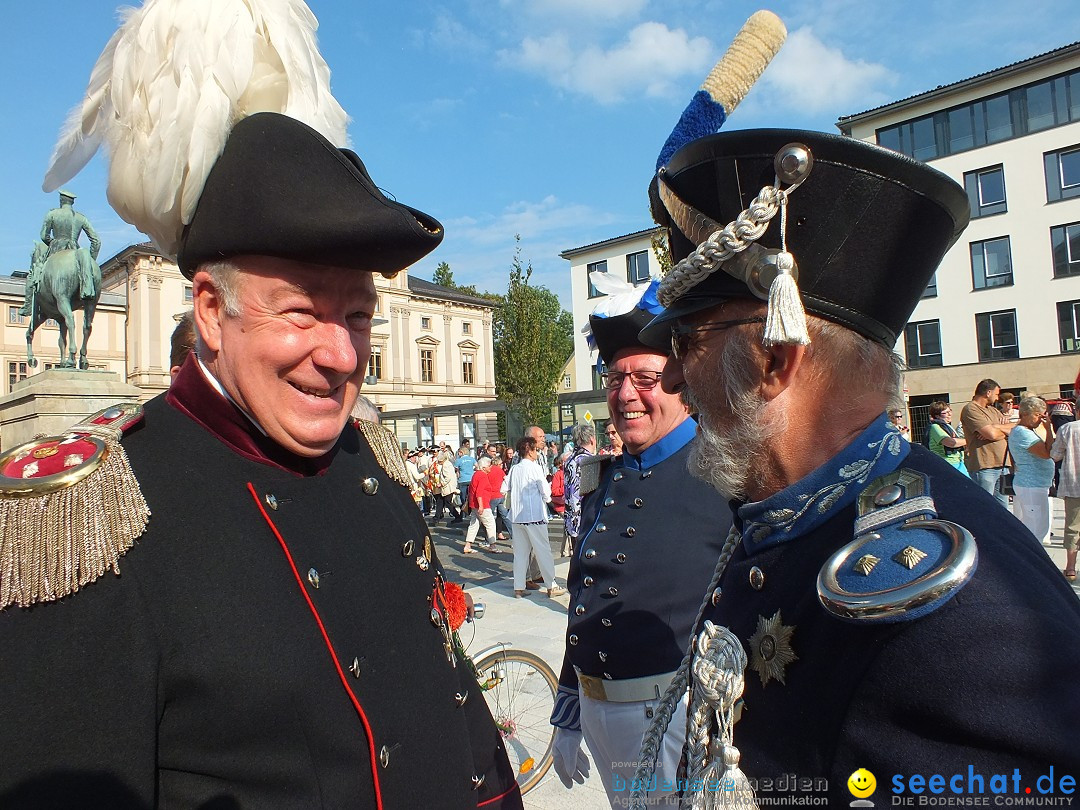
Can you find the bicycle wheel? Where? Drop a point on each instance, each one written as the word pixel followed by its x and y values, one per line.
pixel 520 691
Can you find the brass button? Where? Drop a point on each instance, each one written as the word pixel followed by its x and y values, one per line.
pixel 590 553
pixel 580 610
pixel 407 548
pixel 620 557
pixel 609 501
pixel 370 486
pixel 313 578
pixel 886 496
pixel 354 667
pixel 617 477
pixel 757 578
pixel 573 639
pixel 606 622
pixel 630 531
pixel 613 591
pixel 716 597
pixel 271 501
pixel 638 502
pixel 588 581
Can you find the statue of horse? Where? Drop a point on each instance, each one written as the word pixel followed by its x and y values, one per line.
pixel 54 288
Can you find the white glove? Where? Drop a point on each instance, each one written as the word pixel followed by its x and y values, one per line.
pixel 570 761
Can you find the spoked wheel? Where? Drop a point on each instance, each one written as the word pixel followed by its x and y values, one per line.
pixel 520 691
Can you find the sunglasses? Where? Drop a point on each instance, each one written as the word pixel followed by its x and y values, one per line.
pixel 681 333
pixel 641 380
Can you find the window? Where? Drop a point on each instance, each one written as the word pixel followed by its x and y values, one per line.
pixel 189 294
pixel 996 335
pixel 922 343
pixel 931 288
pixel 991 264
pixel 566 382
pixel 1065 245
pixel 374 366
pixel 467 375
pixel 1068 313
pixel 986 191
pixel 14 317
pixel 378 303
pixel 1062 173
pixel 16 372
pixel 595 267
pixel 466 327
pixel 566 413
pixel 427 365
pixel 637 267
pixel 425 323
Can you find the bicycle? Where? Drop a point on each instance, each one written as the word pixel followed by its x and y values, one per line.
pixel 520 690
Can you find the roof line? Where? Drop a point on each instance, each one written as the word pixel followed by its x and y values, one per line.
pixel 570 252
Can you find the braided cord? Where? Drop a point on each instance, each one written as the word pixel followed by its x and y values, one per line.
pixel 650 743
pixel 721 245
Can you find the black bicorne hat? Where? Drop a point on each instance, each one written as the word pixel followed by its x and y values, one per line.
pixel 619 332
pixel 281 189
pixel 866 226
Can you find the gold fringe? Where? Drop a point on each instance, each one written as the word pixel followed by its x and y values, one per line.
pixel 52 545
pixel 384 444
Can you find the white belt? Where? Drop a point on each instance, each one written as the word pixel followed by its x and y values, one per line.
pixel 627 690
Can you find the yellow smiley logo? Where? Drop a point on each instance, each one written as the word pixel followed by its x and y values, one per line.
pixel 862 783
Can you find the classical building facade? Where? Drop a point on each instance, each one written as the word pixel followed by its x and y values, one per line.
pixel 431 345
pixel 1005 302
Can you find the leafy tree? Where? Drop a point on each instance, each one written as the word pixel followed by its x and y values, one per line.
pixel 533 339
pixel 444 275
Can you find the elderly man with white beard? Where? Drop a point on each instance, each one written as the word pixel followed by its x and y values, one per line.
pixel 889 617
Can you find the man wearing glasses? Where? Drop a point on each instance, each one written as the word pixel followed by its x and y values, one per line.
pixel 649 535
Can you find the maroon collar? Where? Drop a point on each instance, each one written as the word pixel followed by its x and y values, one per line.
pixel 193 395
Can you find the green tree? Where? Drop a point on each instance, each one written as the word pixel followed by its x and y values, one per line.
pixel 533 338
pixel 662 249
pixel 444 275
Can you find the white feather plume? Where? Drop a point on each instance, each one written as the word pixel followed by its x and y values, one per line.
pixel 622 296
pixel 169 87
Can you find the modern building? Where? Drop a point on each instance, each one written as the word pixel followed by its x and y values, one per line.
pixel 431 345
pixel 1005 302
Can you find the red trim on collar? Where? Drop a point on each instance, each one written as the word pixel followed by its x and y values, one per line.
pixel 329 644
pixel 192 395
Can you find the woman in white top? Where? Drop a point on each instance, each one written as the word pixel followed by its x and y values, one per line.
pixel 529 491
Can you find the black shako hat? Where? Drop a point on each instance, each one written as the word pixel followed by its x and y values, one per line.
pixel 281 189
pixel 866 226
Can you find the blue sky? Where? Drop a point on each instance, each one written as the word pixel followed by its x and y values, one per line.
pixel 538 117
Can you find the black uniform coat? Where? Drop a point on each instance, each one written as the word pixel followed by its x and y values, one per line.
pixel 650 535
pixel 268 644
pixel 987 681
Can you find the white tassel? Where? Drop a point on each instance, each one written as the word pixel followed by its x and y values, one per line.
pixel 786 320
pixel 725 785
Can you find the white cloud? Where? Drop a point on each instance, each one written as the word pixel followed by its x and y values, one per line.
pixel 532 220
pixel 810 76
pixel 647 62
pixel 449 35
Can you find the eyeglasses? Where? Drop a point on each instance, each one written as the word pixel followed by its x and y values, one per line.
pixel 612 432
pixel 681 333
pixel 641 380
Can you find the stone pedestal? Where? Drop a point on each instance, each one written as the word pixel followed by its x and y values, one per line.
pixel 54 400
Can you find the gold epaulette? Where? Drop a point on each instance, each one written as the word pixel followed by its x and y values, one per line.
pixel 384 444
pixel 70 507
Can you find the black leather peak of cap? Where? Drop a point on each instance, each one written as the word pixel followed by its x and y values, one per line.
pixel 867 227
pixel 281 189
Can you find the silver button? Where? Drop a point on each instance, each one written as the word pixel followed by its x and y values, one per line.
pixel 613 591
pixel 313 578
pixel 630 531
pixel 580 610
pixel 620 557
pixel 436 617
pixel 384 756
pixel 609 501
pixel 617 477
pixel 477 781
pixel 606 622
pixel 638 502
pixel 271 501
pixel 603 657
pixel 422 563
pixel 588 581
pixel 590 553
pixel 600 528
pixel 647 474
pixel 607 676
pixel 112 413
pixel 887 496
pixel 716 597
pixel 757 578
pixel 460 698
pixel 407 548
pixel 370 486
pixel 573 639
pixel 354 667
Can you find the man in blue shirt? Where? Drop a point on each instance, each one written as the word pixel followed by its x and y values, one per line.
pixel 465 464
